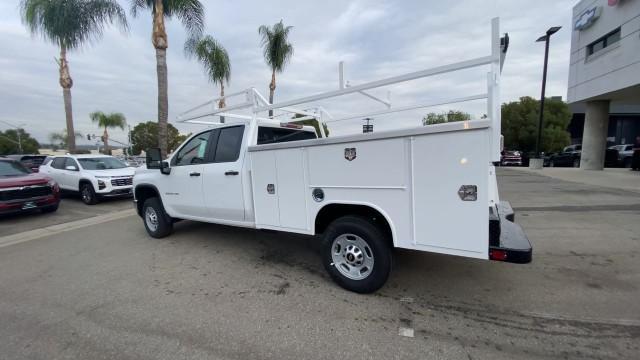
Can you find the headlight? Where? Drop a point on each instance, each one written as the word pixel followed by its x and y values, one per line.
pixel 101 185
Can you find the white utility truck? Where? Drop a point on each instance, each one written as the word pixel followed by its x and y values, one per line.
pixel 364 194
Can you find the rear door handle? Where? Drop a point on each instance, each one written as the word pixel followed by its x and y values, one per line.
pixel 194 173
pixel 231 172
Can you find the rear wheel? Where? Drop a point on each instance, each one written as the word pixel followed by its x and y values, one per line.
pixel 356 254
pixel 156 221
pixel 87 194
pixel 551 163
pixel 627 162
pixel 576 163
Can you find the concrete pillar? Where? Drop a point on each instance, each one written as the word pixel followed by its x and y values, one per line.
pixel 594 138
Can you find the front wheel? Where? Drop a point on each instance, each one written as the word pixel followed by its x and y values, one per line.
pixel 156 221
pixel 88 195
pixel 356 254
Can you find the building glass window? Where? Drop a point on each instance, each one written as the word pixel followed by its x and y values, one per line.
pixel 604 42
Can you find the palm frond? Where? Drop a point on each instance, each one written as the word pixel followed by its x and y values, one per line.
pixel 111 120
pixel 212 55
pixel 71 23
pixel 276 48
pixel 189 12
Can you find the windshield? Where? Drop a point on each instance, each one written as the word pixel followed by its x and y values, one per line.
pixel 12 168
pixel 101 163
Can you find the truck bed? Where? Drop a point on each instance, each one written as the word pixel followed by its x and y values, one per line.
pixel 411 176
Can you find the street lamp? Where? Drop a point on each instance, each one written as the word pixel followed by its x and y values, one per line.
pixel 546 37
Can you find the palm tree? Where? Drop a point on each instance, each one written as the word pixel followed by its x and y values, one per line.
pixel 191 13
pixel 70 24
pixel 277 51
pixel 112 120
pixel 61 138
pixel 214 58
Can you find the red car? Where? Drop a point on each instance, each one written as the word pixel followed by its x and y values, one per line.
pixel 23 190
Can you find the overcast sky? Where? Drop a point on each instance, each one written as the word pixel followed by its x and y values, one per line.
pixel 375 39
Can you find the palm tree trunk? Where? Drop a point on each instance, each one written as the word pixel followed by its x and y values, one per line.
pixel 222 103
pixel 272 89
pixel 66 83
pixel 159 39
pixel 107 150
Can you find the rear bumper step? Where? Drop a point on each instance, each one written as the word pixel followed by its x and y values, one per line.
pixel 508 242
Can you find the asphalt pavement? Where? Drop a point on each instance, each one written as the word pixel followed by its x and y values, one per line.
pixel 108 291
pixel 71 209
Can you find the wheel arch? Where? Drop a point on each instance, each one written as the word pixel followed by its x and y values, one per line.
pixel 142 192
pixel 85 181
pixel 333 210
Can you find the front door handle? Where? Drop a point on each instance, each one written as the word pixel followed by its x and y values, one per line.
pixel 231 172
pixel 194 173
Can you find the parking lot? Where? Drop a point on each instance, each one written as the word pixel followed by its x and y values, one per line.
pixel 107 290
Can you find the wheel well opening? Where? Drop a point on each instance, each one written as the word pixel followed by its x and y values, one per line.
pixel 331 212
pixel 143 193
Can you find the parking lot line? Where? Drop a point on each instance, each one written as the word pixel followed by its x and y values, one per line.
pixel 59 228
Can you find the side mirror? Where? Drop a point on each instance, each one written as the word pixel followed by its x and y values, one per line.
pixel 154 158
pixel 164 168
pixel 71 168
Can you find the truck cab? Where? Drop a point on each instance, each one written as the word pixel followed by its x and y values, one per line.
pixel 207 177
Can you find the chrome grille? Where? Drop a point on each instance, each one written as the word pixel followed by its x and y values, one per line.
pixel 25 192
pixel 125 181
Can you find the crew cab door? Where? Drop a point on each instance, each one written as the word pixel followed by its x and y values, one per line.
pixel 56 171
pixel 181 190
pixel 223 175
pixel 71 178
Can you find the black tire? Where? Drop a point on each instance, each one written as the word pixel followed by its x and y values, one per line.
pixel 627 163
pixel 164 223
pixel 88 194
pixel 377 246
pixel 552 163
pixel 50 208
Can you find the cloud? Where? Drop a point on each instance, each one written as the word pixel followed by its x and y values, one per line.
pixel 375 38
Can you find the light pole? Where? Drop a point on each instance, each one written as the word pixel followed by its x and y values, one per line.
pixel 17 127
pixel 546 37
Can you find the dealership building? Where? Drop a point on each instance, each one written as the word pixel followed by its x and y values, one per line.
pixel 604 77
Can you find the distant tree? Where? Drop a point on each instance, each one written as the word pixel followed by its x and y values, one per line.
pixel 214 58
pixel 191 14
pixel 144 136
pixel 59 139
pixel 311 122
pixel 520 124
pixel 450 116
pixel 70 24
pixel 111 120
pixel 9 143
pixel 277 51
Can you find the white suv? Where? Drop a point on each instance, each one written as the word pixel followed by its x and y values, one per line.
pixel 93 176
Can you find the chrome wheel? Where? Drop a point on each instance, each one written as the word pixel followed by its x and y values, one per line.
pixel 352 256
pixel 151 219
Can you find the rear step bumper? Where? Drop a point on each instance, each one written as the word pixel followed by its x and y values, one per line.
pixel 507 241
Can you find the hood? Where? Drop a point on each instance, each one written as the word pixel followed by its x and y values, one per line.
pixel 25 180
pixel 128 171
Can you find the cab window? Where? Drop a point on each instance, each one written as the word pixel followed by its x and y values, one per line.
pixel 228 145
pixel 70 162
pixel 194 151
pixel 58 163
